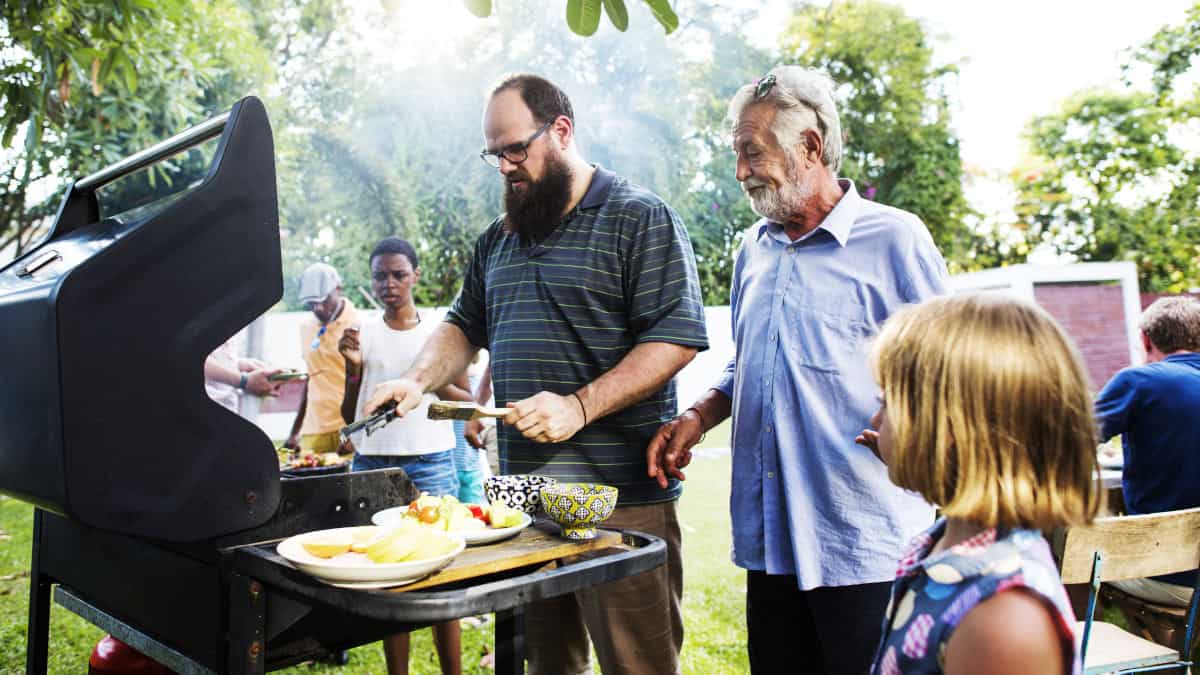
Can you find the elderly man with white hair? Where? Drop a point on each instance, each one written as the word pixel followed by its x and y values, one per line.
pixel 816 522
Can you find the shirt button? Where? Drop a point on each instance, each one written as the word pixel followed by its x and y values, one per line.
pixel 769 427
pixel 770 474
pixel 773 337
pixel 768 382
pixel 791 249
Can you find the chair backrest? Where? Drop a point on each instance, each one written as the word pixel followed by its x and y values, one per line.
pixel 1133 547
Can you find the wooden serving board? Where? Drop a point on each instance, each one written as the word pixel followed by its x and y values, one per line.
pixel 538 543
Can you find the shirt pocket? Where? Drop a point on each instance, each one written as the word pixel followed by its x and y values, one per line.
pixel 828 338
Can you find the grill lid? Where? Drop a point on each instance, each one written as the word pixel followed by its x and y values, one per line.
pixel 104 416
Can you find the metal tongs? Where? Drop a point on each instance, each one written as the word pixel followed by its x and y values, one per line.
pixel 369 424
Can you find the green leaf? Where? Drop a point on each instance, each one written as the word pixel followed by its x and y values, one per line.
pixel 130 74
pixel 583 16
pixel 665 15
pixel 617 14
pixel 480 8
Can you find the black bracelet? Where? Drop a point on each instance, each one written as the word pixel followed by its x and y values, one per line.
pixel 242 382
pixel 581 408
pixel 703 422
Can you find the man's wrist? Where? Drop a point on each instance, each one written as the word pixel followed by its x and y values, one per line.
pixel 420 378
pixel 699 415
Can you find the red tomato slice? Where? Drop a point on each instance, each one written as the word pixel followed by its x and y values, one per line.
pixel 478 512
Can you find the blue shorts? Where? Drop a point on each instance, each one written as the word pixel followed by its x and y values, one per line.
pixel 432 473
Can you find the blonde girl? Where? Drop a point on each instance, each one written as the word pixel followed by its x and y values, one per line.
pixel 986 412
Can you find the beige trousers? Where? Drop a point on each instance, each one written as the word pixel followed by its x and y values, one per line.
pixel 635 625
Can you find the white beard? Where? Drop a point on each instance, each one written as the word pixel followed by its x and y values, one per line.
pixel 779 205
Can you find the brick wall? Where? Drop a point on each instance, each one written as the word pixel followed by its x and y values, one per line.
pixel 1148 298
pixel 1093 315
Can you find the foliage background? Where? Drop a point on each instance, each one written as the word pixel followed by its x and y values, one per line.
pixel 373 141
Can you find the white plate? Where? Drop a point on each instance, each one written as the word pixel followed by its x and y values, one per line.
pixel 374 585
pixel 357 567
pixel 487 535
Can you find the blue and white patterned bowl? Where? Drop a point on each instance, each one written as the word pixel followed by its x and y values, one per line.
pixel 519 492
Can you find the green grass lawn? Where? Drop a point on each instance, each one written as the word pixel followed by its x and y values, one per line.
pixel 714 599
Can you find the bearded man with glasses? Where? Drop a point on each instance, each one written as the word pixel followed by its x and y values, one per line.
pixel 585 293
pixel 817 524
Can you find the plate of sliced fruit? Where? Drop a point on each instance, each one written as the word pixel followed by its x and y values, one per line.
pixel 475 523
pixel 381 556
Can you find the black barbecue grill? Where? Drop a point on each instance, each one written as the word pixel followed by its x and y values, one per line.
pixel 159 510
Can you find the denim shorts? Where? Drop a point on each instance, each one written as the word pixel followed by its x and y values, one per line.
pixel 432 473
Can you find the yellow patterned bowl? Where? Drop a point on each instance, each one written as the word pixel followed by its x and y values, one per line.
pixel 579 507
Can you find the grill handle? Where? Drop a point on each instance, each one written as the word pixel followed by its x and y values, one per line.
pixel 155 153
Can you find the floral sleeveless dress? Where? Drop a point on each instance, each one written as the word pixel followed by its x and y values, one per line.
pixel 932 594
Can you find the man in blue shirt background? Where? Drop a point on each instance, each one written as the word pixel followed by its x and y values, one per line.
pixel 816 522
pixel 1155 409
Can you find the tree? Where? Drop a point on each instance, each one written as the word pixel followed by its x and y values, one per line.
pixel 583 16
pixel 714 206
pixel 1113 177
pixel 384 149
pixel 894 103
pixel 86 83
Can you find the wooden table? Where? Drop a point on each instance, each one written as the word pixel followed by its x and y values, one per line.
pixel 538 544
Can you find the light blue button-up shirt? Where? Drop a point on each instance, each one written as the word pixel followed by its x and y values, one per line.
pixel 806 500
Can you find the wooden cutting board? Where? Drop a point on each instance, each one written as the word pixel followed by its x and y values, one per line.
pixel 538 543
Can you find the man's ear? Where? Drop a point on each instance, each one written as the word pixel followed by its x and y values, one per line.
pixel 563 131
pixel 1147 345
pixel 416 274
pixel 814 146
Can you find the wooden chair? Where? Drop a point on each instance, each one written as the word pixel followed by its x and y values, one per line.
pixel 1131 547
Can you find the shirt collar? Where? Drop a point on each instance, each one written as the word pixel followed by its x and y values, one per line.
pixel 838 221
pixel 597 192
pixel 974 557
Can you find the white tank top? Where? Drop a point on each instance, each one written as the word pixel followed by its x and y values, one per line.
pixel 388 354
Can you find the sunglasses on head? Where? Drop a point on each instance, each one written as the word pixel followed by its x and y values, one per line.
pixel 763 87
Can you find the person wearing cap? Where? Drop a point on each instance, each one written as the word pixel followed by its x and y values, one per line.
pixel 817 524
pixel 320 415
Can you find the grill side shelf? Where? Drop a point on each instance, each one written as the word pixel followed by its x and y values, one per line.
pixel 615 555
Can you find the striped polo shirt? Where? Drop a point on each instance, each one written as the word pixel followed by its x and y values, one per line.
pixel 559 313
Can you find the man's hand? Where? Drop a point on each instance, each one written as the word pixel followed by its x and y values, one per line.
pixel 869 439
pixel 473 433
pixel 671 448
pixel 258 384
pixel 349 347
pixel 292 442
pixel 546 417
pixel 406 394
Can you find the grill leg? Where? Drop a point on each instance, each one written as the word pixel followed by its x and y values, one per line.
pixel 247 626
pixel 510 642
pixel 38 631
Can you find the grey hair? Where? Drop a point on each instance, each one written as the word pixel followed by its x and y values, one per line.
pixel 804 99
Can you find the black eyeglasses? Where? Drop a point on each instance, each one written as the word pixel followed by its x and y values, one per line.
pixel 515 153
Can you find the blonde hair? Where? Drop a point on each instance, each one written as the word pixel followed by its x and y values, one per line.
pixel 1173 324
pixel 991 412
